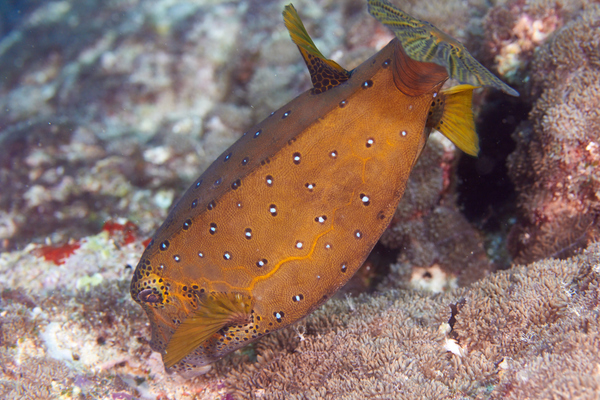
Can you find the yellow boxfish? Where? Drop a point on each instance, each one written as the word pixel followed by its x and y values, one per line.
pixel 287 214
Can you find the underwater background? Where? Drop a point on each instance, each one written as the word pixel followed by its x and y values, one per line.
pixel 485 285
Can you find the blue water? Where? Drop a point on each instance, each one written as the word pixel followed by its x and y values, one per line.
pixel 12 12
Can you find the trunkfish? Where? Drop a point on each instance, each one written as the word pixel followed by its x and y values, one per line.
pixel 286 215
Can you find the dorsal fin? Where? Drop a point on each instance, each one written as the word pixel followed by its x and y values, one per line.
pixel 424 42
pixel 324 73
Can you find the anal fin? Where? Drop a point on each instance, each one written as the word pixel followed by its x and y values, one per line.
pixel 324 73
pixel 214 312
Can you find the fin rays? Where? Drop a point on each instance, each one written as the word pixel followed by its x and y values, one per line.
pixel 214 312
pixel 324 73
pixel 424 42
pixel 457 119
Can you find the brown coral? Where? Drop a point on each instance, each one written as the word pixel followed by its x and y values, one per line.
pixel 33 379
pixel 514 28
pixel 555 165
pixel 530 332
pixel 429 229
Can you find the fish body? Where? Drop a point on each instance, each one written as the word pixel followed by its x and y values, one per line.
pixel 286 215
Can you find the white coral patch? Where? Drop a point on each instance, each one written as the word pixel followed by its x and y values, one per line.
pixel 37 195
pixel 453 347
pixel 53 338
pixel 432 279
pixel 594 151
pixel 444 328
pixel 158 155
pixel 8 225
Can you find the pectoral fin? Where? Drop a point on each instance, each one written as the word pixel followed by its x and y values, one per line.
pixel 453 117
pixel 214 312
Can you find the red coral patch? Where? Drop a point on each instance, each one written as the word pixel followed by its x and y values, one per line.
pixel 57 254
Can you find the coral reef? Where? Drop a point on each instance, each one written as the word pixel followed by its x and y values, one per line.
pixel 530 332
pixel 110 109
pixel 527 332
pixel 430 230
pixel 513 29
pixel 73 332
pixel 555 165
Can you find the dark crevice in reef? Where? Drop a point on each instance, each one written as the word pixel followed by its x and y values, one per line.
pixel 486 194
pixel 380 259
pixel 375 268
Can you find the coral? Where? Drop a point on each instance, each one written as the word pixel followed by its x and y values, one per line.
pixel 430 230
pixel 85 102
pixel 530 332
pixel 85 339
pixel 111 108
pixel 555 165
pixel 513 29
pixel 33 379
pixel 25 374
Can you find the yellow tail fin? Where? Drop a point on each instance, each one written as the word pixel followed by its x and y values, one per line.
pixel 457 122
pixel 214 312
